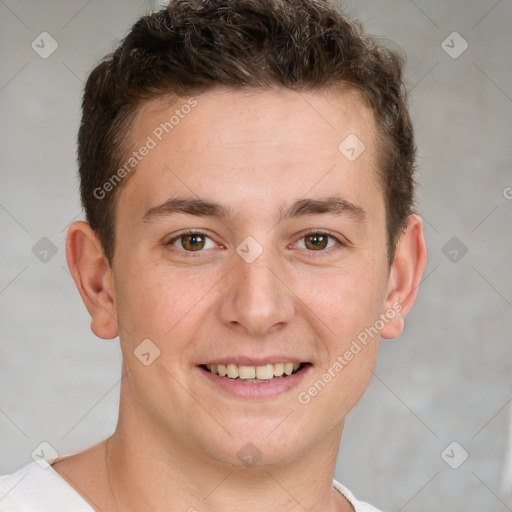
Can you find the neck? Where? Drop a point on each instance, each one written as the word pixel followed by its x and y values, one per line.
pixel 151 469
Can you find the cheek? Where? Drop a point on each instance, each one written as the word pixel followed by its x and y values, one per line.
pixel 158 302
pixel 347 321
pixel 346 300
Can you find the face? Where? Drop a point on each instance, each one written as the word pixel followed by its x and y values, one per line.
pixel 285 262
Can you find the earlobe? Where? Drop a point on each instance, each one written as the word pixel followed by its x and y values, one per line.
pixel 93 278
pixel 405 276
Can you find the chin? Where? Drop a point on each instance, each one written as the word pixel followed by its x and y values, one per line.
pixel 257 443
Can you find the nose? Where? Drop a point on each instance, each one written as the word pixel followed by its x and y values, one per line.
pixel 256 299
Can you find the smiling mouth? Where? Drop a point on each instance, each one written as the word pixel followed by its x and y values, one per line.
pixel 254 374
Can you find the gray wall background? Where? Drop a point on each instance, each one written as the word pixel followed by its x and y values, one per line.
pixel 446 379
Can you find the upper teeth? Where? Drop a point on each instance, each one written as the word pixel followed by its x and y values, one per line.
pixel 267 371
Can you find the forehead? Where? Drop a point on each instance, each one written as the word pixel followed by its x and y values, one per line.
pixel 235 115
pixel 260 143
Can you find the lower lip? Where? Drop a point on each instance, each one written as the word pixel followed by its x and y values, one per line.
pixel 255 390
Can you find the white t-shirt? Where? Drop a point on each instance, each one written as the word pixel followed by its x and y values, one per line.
pixel 37 489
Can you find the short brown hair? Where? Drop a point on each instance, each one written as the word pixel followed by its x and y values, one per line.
pixel 192 46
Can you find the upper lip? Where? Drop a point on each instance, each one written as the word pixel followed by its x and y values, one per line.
pixel 253 361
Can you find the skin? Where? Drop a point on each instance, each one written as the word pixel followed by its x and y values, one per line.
pixel 177 439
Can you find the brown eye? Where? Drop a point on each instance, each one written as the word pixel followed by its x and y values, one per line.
pixel 319 241
pixel 193 242
pixel 316 241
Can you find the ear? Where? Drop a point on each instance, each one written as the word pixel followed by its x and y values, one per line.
pixel 93 277
pixel 405 276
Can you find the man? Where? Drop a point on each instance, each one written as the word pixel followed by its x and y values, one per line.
pixel 247 171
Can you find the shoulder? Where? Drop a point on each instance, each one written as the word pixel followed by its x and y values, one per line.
pixel 38 488
pixel 359 506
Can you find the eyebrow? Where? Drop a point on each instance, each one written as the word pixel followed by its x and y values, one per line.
pixel 334 205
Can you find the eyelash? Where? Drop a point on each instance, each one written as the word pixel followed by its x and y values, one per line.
pixel 315 232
